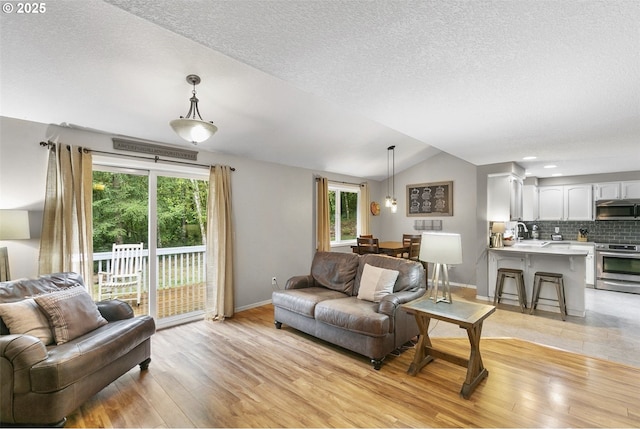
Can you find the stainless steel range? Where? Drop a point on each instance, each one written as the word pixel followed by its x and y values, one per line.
pixel 618 267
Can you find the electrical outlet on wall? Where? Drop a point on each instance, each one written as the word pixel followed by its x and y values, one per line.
pixel 557 229
pixel 274 281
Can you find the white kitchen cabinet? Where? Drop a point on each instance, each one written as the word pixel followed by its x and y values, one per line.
pixel 578 202
pixel 504 198
pixel 568 202
pixel 617 190
pixel 606 191
pixel 550 203
pixel 529 202
pixel 631 189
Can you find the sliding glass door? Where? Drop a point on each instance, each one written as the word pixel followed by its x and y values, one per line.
pixel 167 213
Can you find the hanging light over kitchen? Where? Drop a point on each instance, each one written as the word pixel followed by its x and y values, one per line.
pixel 387 199
pixel 390 200
pixel 190 128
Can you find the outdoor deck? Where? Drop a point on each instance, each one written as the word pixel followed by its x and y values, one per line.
pixel 180 288
pixel 171 301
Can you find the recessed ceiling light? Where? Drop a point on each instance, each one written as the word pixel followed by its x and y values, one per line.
pixel 556 174
pixel 529 158
pixel 550 166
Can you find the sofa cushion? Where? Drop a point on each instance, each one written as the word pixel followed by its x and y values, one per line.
pixel 25 317
pixel 353 314
pixel 335 271
pixel 303 301
pixel 77 359
pixel 376 282
pixel 71 313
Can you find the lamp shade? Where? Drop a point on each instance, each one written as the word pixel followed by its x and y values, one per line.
pixel 14 225
pixel 498 227
pixel 441 248
pixel 193 130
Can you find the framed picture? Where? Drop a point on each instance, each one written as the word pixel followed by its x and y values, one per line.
pixel 430 199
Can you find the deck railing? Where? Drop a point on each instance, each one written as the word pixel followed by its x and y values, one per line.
pixel 181 276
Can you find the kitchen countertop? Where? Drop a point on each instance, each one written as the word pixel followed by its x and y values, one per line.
pixel 544 247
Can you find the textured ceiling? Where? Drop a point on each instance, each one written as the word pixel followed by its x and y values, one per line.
pixel 330 84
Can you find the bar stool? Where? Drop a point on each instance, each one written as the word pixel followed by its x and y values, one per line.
pixel 553 278
pixel 512 273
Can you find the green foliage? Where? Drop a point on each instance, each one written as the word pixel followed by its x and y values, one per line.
pixel 120 210
pixel 348 214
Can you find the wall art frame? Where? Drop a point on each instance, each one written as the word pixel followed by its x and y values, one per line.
pixel 430 199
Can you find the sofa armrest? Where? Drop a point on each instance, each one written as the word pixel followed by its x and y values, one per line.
pixel 18 354
pixel 299 282
pixel 114 309
pixel 390 303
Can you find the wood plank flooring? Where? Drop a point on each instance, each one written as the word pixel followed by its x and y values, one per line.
pixel 244 373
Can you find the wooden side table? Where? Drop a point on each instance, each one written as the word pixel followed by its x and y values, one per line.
pixel 467 315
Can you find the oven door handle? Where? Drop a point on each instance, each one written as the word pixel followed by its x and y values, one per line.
pixel 629 255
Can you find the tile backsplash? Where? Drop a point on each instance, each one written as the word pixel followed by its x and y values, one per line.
pixel 604 231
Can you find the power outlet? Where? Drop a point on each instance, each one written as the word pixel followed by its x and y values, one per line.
pixel 274 281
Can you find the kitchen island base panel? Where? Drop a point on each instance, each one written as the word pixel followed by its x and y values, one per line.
pixel 572 267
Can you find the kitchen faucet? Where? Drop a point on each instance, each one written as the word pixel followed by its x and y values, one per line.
pixel 524 227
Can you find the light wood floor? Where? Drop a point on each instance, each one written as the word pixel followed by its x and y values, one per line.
pixel 244 373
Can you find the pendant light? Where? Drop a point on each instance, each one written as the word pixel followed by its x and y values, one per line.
pixel 394 202
pixel 190 128
pixel 387 199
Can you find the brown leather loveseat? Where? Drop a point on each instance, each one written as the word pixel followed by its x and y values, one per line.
pixel 49 372
pixel 354 302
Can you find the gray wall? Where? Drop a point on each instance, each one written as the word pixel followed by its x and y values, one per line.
pixel 273 205
pixel 439 168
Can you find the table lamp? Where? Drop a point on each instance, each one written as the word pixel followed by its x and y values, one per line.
pixel 442 249
pixel 497 231
pixel 14 225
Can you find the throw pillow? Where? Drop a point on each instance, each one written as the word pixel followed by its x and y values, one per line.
pixel 71 313
pixel 25 317
pixel 376 282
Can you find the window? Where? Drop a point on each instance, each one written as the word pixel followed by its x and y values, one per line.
pixel 344 216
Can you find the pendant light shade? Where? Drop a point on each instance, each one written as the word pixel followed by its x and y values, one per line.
pixel 390 200
pixel 192 128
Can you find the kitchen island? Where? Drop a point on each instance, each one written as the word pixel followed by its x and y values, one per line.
pixel 531 256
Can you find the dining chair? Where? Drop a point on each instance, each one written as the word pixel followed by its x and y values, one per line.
pixel 366 235
pixel 368 245
pixel 412 241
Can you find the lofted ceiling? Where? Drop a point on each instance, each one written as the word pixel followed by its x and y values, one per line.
pixel 330 84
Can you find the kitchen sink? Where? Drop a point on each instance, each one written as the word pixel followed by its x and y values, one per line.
pixel 531 244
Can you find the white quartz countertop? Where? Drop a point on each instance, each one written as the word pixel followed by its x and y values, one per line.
pixel 566 248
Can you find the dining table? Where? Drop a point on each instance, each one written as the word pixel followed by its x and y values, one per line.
pixel 391 248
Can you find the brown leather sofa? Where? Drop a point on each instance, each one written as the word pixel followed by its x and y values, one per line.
pixel 326 303
pixel 42 384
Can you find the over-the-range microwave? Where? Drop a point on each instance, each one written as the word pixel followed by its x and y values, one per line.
pixel 618 209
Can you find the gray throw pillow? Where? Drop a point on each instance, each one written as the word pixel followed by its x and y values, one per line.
pixel 71 313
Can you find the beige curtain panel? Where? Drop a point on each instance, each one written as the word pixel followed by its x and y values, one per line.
pixel 323 236
pixel 220 245
pixel 67 230
pixel 364 209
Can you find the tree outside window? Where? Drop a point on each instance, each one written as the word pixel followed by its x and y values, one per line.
pixel 343 213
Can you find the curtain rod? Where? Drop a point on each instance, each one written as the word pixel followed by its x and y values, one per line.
pixel 344 183
pixel 155 159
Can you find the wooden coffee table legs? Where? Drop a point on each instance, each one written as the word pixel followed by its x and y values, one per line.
pixel 425 353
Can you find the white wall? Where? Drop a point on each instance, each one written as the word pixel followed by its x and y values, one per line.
pixel 23 166
pixel 273 206
pixel 439 168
